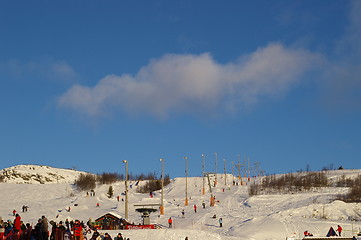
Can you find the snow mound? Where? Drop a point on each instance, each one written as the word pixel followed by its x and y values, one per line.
pixel 34 174
pixel 336 210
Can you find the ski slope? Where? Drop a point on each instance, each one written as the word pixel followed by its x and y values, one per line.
pixel 260 217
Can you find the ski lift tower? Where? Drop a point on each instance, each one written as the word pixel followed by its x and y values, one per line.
pixel 210 186
pixel 146 210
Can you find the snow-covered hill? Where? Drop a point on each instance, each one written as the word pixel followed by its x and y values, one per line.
pixel 34 174
pixel 261 217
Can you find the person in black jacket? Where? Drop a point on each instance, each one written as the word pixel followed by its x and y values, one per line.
pixel 107 237
pixel 119 237
pixel 95 235
pixel 60 231
pixel 36 231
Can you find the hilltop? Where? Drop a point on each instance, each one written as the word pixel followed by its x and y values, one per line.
pixel 260 217
pixel 38 174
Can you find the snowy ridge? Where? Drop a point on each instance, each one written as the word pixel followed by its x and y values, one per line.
pixel 37 174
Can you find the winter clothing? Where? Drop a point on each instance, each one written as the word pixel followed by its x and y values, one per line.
pixel 36 232
pixel 44 229
pixel 60 231
pixel 2 229
pixel 8 227
pixel 119 237
pixel 17 223
pixel 107 237
pixel 78 230
pixel 170 222
pixel 27 232
pixel 339 230
pixel 95 235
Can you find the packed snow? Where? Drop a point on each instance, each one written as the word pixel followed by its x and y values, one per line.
pixel 261 217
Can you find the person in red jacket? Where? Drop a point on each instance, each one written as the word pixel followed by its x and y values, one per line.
pixel 339 230
pixel 78 230
pixel 2 229
pixel 17 223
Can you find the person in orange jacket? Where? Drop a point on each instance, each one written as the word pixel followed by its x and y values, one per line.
pixel 170 222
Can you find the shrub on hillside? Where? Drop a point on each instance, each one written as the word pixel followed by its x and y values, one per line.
pixel 166 180
pixel 149 176
pixel 254 189
pixel 153 185
pixel 110 192
pixel 344 182
pixel 354 194
pixel 109 178
pixel 86 182
pixel 150 186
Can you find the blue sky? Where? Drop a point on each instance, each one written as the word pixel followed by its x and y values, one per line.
pixel 87 84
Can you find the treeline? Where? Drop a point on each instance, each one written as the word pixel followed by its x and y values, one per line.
pixel 290 182
pixel 304 182
pixel 89 181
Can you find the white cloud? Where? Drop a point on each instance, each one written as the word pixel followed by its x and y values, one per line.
pixel 194 83
pixel 48 69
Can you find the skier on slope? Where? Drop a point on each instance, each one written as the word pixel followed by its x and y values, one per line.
pixel 170 222
pixel 220 222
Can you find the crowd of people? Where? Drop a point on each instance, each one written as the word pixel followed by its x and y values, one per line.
pixel 45 230
pixel 18 230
